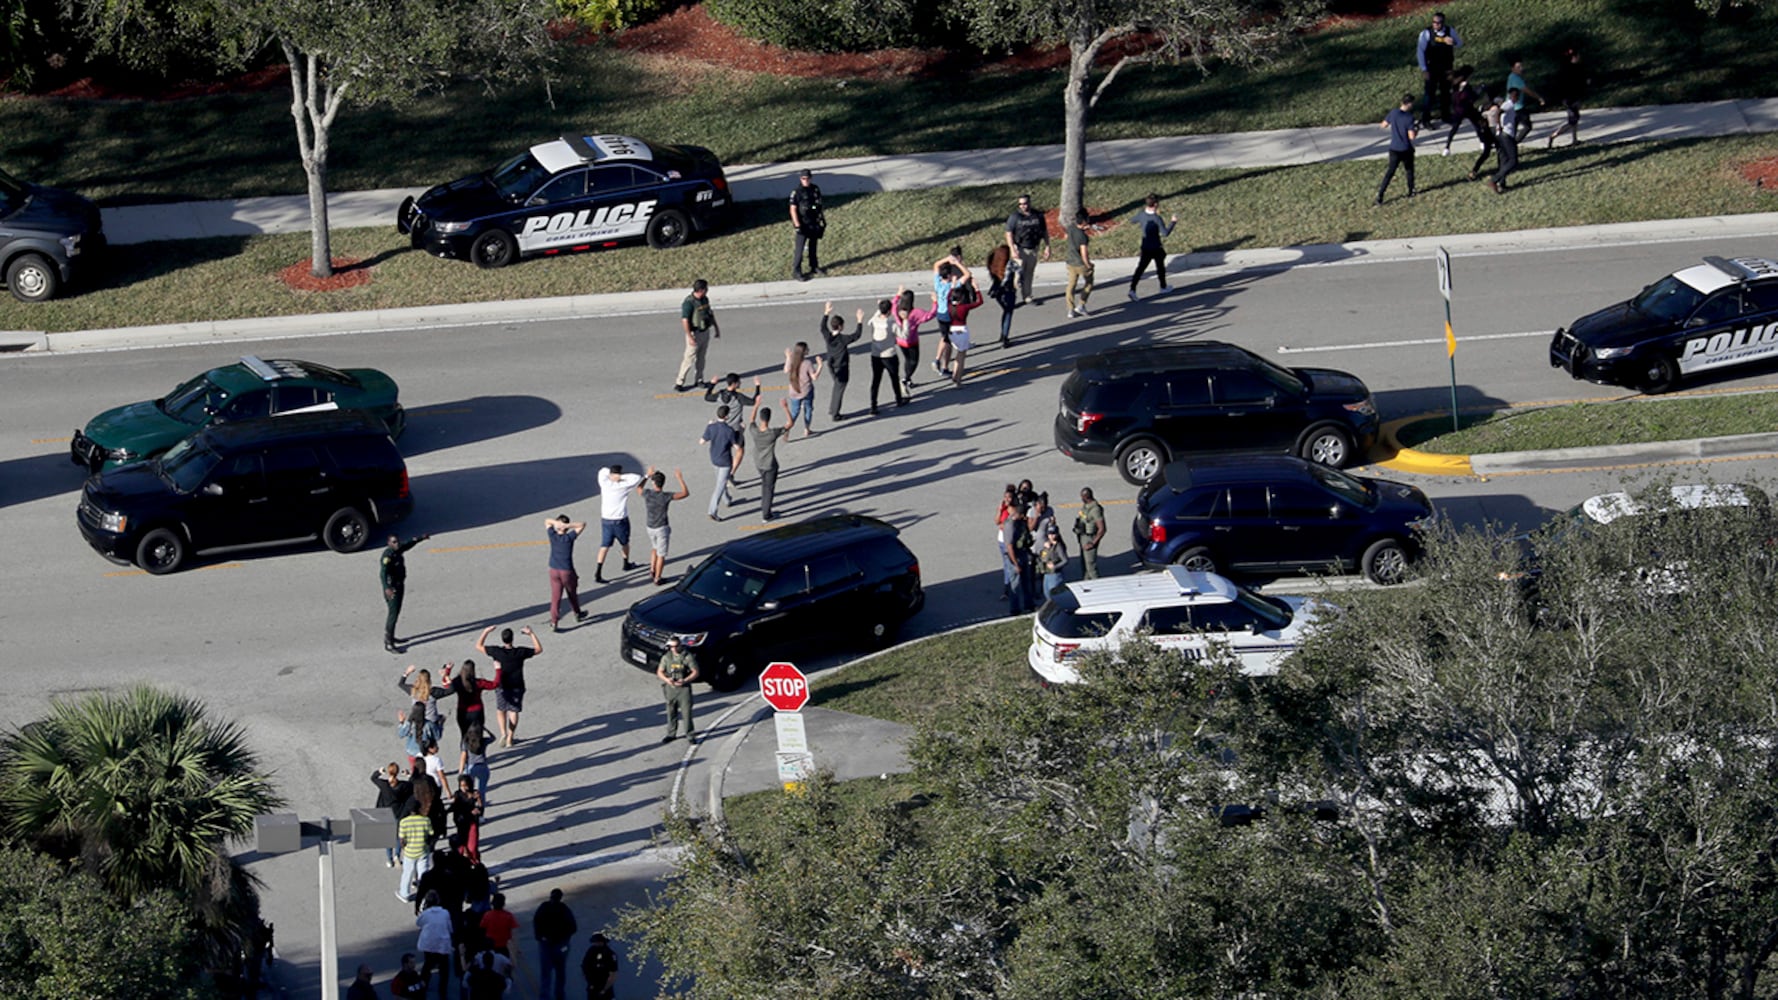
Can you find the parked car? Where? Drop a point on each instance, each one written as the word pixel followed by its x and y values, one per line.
pixel 245 390
pixel 1719 314
pixel 1141 407
pixel 47 238
pixel 838 576
pixel 579 192
pixel 1278 514
pixel 1179 610
pixel 337 476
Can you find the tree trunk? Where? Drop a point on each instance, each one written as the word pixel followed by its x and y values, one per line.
pixel 312 105
pixel 1075 112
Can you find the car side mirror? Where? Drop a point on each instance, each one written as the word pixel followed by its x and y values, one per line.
pixel 213 489
pixel 769 606
pixel 1695 321
pixel 1335 512
pixel 534 202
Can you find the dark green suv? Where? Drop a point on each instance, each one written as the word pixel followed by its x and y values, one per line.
pixel 250 388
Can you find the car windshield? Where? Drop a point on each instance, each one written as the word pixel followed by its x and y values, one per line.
pixel 186 465
pixel 1270 610
pixel 1668 299
pixel 1351 488
pixel 723 581
pixel 1283 378
pixel 12 194
pixel 194 401
pixel 518 177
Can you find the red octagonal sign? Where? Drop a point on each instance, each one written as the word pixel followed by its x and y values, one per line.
pixel 784 687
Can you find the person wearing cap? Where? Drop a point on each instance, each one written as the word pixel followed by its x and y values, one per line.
pixel 677 670
pixel 1089 530
pixel 599 966
pixel 809 224
pixel 1052 559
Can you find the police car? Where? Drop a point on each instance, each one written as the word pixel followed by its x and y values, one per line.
pixel 1718 314
pixel 1190 613
pixel 574 193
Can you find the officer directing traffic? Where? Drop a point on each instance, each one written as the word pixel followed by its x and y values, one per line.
pixel 677 670
pixel 394 573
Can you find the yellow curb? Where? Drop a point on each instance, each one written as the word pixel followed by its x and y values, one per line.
pixel 1425 463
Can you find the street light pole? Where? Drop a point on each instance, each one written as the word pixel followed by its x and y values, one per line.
pixel 330 946
pixel 284 833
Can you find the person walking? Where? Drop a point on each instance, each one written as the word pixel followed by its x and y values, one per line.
pixel 1089 531
pixel 1468 104
pixel 908 321
pixel 809 223
pixel 409 983
pixel 1003 272
pixel 467 807
pixel 468 688
pixel 437 943
pixel 362 987
pixel 725 454
pixel 678 669
pixel 1026 233
pixel 393 794
pixel 394 575
pixel 964 299
pixel 1569 87
pixel 1039 519
pixel 1079 261
pixel 698 321
pixel 655 501
pixel 731 396
pixel 414 837
pixel 1015 547
pixel 1400 126
pixel 1515 80
pixel 1490 136
pixel 885 355
pixel 948 272
pixel 1153 251
pixel 561 534
pixel 1052 561
pixel 599 966
pixel 765 440
pixel 553 927
pixel 803 372
pixel 615 486
pixel 839 354
pixel 499 925
pixel 421 689
pixel 509 677
pixel 1506 143
pixel 1435 51
pixel 472 761
pixel 411 727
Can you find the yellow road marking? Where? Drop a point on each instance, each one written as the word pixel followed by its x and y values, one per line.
pixel 50 440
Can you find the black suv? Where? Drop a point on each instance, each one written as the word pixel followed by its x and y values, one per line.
pixel 1279 514
pixel 766 595
pixel 289 478
pixel 1141 407
pixel 46 235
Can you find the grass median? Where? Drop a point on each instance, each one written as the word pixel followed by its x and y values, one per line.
pixel 1634 420
pixel 234 278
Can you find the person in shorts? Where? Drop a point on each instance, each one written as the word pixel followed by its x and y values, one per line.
pixel 615 487
pixel 509 679
pixel 655 500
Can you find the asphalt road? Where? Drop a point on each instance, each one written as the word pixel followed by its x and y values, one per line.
pixel 508 425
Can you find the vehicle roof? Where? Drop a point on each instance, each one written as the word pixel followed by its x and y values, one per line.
pixel 293 427
pixel 774 548
pixel 1220 470
pixel 251 371
pixel 558 155
pixel 1111 593
pixel 1745 268
pixel 1608 507
pixel 1165 357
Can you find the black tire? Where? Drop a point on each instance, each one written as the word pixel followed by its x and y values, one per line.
pixel 1385 562
pixel 347 530
pixel 882 632
pixel 1659 375
pixel 403 215
pixel 1141 460
pixel 1197 560
pixel 728 672
pixel 1327 445
pixel 492 249
pixel 161 551
pixel 33 278
pixel 669 229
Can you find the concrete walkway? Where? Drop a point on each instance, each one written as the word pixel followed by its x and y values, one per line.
pixel 971 168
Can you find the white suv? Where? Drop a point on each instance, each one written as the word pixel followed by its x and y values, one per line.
pixel 1175 610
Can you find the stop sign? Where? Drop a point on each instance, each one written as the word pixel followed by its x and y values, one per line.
pixel 784 687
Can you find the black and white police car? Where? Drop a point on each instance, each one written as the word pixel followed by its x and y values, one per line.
pixel 1718 314
pixel 574 193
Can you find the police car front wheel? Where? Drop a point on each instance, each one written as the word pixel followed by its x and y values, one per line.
pixel 1659 375
pixel 494 248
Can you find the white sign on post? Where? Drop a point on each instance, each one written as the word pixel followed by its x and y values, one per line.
pixel 1444 273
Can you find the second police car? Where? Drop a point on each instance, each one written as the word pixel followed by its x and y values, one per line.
pixel 1718 314
pixel 574 193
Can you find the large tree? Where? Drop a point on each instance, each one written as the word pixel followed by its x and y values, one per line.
pixel 359 52
pixel 1125 33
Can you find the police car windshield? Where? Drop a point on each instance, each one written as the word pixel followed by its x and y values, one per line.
pixel 1668 299
pixel 518 177
pixel 725 582
pixel 186 465
pixel 1268 610
pixel 194 401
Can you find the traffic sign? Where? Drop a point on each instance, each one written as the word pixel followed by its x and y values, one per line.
pixel 784 687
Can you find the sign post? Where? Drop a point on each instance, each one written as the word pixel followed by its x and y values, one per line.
pixel 785 688
pixel 1444 289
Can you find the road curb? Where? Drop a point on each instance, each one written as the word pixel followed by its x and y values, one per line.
pixel 1425 463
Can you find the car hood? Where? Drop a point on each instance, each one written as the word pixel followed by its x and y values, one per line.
pixel 465 198
pixel 123 482
pixel 140 427
pixel 674 611
pixel 1615 326
pixel 1328 384
pixel 54 212
pixel 1401 500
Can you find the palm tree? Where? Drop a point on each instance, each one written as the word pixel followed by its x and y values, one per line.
pixel 143 790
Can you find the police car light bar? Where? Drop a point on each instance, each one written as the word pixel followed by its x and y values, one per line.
pixel 1744 268
pixel 268 371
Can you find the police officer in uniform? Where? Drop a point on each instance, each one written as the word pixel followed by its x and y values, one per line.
pixel 394 573
pixel 677 670
pixel 599 966
pixel 1089 530
pixel 809 223
pixel 1026 233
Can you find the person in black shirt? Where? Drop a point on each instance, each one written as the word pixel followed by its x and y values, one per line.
pixel 839 353
pixel 509 688
pixel 553 927
pixel 394 794
pixel 394 574
pixel 1569 87
pixel 1026 232
pixel 809 223
pixel 599 966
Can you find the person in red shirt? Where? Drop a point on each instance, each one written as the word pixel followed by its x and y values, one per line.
pixel 499 926
pixel 408 984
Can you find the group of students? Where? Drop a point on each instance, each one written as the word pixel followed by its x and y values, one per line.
pixel 1033 557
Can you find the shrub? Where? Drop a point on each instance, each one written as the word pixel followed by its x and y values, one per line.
pixel 832 25
pixel 612 15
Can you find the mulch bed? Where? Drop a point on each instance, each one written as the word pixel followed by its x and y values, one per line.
pixel 347 273
pixel 1762 173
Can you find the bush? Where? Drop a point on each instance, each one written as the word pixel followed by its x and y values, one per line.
pixel 612 15
pixel 832 25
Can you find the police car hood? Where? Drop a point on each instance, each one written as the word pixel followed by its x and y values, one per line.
pixel 1616 325
pixel 464 198
pixel 139 427
pixel 54 213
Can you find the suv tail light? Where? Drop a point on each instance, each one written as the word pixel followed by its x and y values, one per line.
pixel 401 490
pixel 1157 532
pixel 914 568
pixel 1086 420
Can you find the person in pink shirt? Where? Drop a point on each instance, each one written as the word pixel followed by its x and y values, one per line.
pixel 964 298
pixel 908 321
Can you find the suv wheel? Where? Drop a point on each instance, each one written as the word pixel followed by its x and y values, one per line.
pixel 1327 445
pixel 882 632
pixel 161 551
pixel 1140 461
pixel 1197 560
pixel 347 530
pixel 32 278
pixel 728 672
pixel 1385 562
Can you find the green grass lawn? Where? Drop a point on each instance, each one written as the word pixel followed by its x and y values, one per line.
pixel 190 280
pixel 1583 425
pixel 1640 51
pixel 921 679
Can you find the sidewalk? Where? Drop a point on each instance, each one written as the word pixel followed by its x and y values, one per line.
pixel 969 168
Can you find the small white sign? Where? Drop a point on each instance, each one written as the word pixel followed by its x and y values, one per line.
pixel 1444 273
pixel 795 767
pixel 792 738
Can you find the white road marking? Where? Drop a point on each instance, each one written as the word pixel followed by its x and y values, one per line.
pixel 1286 349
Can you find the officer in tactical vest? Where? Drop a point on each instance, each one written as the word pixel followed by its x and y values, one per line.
pixel 677 670
pixel 809 223
pixel 1089 530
